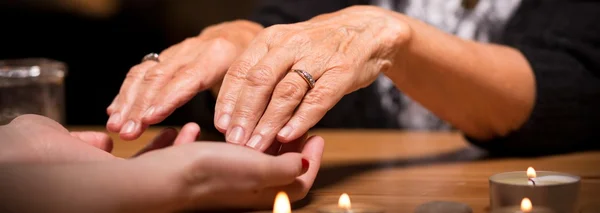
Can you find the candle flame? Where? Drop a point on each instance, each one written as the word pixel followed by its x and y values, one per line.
pixel 531 172
pixel 344 202
pixel 282 203
pixel 526 205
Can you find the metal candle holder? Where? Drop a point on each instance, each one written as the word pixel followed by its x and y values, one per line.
pixel 554 190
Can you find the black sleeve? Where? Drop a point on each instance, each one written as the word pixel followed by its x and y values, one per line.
pixel 271 12
pixel 561 41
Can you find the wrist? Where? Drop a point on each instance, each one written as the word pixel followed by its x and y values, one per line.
pixel 393 34
pixel 241 32
pixel 150 188
pixel 407 48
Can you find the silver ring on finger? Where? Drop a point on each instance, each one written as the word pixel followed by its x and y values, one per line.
pixel 307 77
pixel 151 57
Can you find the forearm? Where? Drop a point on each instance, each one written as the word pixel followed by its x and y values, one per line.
pixel 484 90
pixel 80 187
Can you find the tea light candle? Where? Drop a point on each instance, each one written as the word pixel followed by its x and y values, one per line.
pixel 554 190
pixel 345 206
pixel 282 203
pixel 526 207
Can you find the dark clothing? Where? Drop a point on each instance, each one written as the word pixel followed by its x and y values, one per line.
pixel 561 41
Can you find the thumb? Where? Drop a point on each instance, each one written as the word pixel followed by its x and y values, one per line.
pixel 283 169
pixel 97 139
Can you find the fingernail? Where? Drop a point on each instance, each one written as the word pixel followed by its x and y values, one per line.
pixel 223 121
pixel 149 112
pixel 305 165
pixel 236 135
pixel 254 141
pixel 114 118
pixel 285 132
pixel 129 127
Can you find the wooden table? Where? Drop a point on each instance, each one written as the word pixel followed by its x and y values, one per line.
pixel 401 170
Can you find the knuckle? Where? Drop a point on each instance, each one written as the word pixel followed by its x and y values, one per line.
pixel 260 75
pixel 189 41
pixel 339 63
pixel 138 108
pixel 155 74
pixel 275 30
pixel 274 34
pixel 188 70
pixel 237 69
pixel 319 97
pixel 343 32
pixel 135 72
pixel 289 91
pixel 300 38
pixel 225 100
pixel 219 44
pixel 244 113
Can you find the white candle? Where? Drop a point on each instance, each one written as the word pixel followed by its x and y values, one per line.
pixel 533 178
pixel 544 188
pixel 551 180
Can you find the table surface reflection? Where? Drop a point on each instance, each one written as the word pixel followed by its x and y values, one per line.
pixel 400 170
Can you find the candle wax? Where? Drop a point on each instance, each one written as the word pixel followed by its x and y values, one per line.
pixel 545 180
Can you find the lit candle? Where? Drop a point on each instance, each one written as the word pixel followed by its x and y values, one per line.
pixel 525 207
pixel 531 178
pixel 282 203
pixel 557 191
pixel 345 206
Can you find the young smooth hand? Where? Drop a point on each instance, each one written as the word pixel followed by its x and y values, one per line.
pixel 171 174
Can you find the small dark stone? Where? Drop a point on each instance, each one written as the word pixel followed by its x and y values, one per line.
pixel 443 207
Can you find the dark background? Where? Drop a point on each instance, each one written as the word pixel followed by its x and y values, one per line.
pixel 100 40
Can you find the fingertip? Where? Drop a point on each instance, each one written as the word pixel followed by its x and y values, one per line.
pixel 222 122
pixel 287 167
pixel 112 128
pixel 97 139
pixel 131 133
pixel 285 139
pixel 191 127
pixel 114 122
pixel 106 141
pixel 314 147
pixel 188 134
pixel 316 138
pixel 288 134
pixel 305 166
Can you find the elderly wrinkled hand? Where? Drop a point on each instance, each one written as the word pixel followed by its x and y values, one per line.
pixel 163 82
pixel 268 92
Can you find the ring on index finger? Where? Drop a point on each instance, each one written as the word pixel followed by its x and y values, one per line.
pixel 307 77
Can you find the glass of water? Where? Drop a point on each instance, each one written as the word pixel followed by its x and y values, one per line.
pixel 32 86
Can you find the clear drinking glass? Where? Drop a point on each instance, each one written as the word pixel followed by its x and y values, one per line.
pixel 32 86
